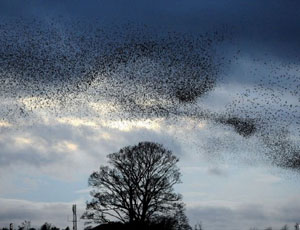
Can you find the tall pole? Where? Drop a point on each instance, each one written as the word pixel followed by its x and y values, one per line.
pixel 74 217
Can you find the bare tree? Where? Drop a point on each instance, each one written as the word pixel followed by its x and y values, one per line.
pixel 25 225
pixel 198 226
pixel 46 226
pixel 137 187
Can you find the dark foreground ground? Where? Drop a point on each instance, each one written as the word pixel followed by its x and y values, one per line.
pixel 119 226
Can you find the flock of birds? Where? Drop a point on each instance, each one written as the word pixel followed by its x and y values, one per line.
pixel 274 104
pixel 144 74
pixel 62 68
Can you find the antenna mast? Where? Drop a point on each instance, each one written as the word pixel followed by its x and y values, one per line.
pixel 74 217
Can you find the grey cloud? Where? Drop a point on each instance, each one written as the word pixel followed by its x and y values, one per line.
pixel 245 216
pixel 28 155
pixel 266 22
pixel 16 211
pixel 256 21
pixel 217 171
pixel 213 218
pixel 43 152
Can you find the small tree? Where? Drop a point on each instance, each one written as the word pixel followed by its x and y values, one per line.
pixel 54 228
pixel 46 226
pixel 137 187
pixel 25 225
pixel 198 226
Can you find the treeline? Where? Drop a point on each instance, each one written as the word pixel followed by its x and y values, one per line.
pixel 26 225
pixel 284 227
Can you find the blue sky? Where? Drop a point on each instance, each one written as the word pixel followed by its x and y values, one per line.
pixel 229 181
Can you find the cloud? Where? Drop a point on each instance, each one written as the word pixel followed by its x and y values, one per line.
pixel 84 191
pixel 16 211
pixel 64 149
pixel 256 21
pixel 214 217
pixel 245 216
pixel 217 171
pixel 137 72
pixel 261 41
pixel 91 148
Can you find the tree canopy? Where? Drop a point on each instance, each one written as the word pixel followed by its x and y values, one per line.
pixel 136 187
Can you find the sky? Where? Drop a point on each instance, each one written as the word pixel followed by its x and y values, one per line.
pixel 80 80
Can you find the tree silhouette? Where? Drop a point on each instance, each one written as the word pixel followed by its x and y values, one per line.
pixel 137 187
pixel 48 226
pixel 25 225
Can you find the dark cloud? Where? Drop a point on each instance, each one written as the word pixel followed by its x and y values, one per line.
pixel 57 58
pixel 260 25
pixel 217 171
pixel 54 58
